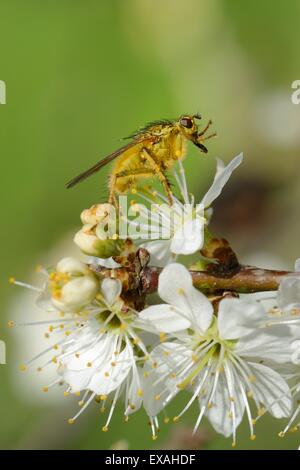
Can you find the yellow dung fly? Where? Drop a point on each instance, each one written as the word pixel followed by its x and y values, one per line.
pixel 151 152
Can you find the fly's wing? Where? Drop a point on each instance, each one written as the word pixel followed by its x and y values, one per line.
pixel 103 162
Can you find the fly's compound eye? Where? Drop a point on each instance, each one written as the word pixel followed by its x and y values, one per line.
pixel 186 122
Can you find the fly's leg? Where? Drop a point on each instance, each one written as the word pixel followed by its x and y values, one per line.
pixel 112 196
pixel 202 133
pixel 162 177
pixel 123 174
pixel 205 128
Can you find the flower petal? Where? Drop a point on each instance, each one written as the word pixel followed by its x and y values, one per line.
pixel 163 318
pixel 134 393
pixel 175 287
pixel 219 414
pixel 271 390
pixel 111 290
pixel 288 296
pixel 109 263
pixel 107 379
pixel 268 344
pixel 160 374
pixel 189 237
pixel 160 254
pixel 222 176
pixel 237 318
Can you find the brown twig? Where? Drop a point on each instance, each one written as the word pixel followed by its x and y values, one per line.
pixel 248 279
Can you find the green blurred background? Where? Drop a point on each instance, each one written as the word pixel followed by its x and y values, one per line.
pixel 79 76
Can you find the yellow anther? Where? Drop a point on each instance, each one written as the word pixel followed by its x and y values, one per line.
pixel 132 407
pixel 181 386
pixel 233 444
pixel 39 369
pixel 146 374
pixel 210 405
pixel 250 394
pixel 106 374
pixel 252 378
pixel 67 333
pixel 139 392
pixel 81 403
pixel 195 358
pixel 50 328
pixel 89 364
pixel 166 420
pixel 281 434
pixel 162 337
pixel 105 429
pixel 77 355
pixel 252 437
pixel 115 236
pixel 261 411
pixel 45 389
pixel 157 397
pixel 113 364
pixel 54 360
pixel 154 365
pixel 126 419
pixel 12 280
pixel 133 191
pixel 22 367
pixel 77 394
pixel 10 324
pixel 55 347
pixel 103 397
pixel 71 421
pixel 175 419
pixel 56 294
pixel 66 394
pixel 180 291
pixel 154 437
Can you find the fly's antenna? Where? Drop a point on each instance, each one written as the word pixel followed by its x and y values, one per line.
pixel 197 116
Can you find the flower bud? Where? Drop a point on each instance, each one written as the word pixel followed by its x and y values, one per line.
pixel 72 285
pixel 88 242
pixel 71 265
pixel 95 214
pixel 76 294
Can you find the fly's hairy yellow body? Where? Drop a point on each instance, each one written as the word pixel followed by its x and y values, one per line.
pixel 152 151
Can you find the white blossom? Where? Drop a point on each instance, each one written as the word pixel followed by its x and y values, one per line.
pixel 222 360
pixel 97 350
pixel 184 220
